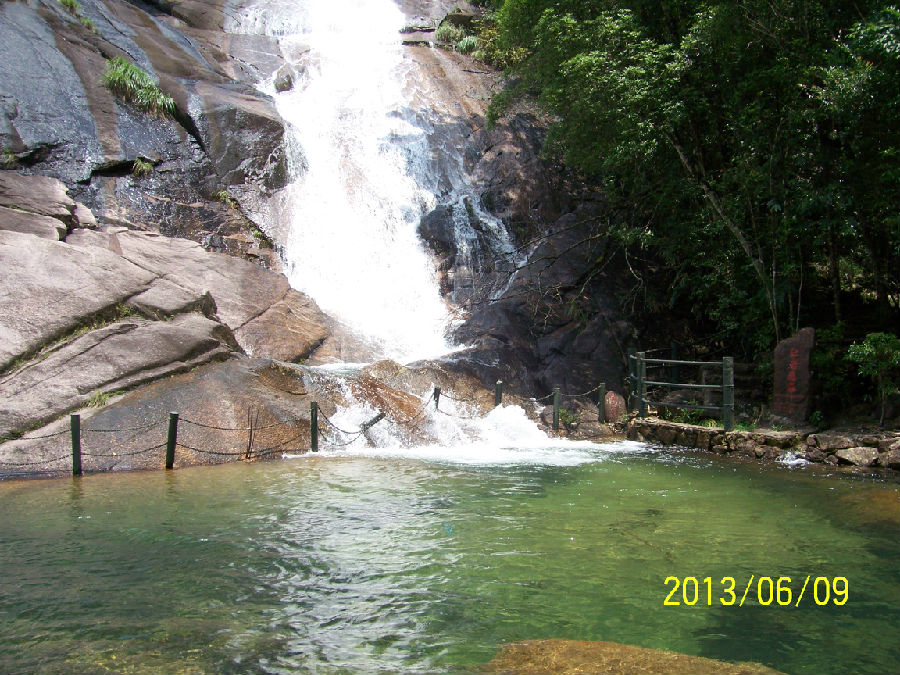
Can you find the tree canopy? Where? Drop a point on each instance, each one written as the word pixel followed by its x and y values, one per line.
pixel 753 147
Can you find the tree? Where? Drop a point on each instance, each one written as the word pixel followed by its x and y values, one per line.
pixel 878 356
pixel 753 145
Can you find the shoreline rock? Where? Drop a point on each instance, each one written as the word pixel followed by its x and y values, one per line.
pixel 862 448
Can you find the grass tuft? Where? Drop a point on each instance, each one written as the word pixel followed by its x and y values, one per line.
pixel 141 167
pixel 134 85
pixel 447 33
pixel 71 5
pixel 467 45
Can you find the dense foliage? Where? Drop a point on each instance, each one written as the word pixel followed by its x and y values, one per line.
pixel 752 148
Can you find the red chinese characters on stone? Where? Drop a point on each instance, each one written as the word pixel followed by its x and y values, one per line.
pixel 791 396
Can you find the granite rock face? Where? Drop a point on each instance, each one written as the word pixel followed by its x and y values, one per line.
pixel 58 120
pixel 108 310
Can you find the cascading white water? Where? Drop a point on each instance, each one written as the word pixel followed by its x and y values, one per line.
pixel 367 164
pixel 354 207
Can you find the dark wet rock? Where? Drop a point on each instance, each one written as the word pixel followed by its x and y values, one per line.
pixel 57 119
pixel 284 79
pixel 243 135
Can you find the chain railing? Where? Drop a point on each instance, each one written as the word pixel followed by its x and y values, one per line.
pixel 294 443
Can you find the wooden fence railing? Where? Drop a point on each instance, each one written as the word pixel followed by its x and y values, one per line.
pixel 639 382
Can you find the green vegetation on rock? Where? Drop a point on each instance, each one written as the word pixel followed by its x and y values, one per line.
pixel 747 153
pixel 71 5
pixel 134 85
pixel 141 167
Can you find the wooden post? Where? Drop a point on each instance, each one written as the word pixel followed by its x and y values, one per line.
pixel 642 384
pixel 728 393
pixel 314 426
pixel 632 380
pixel 75 427
pixel 555 408
pixel 601 403
pixel 498 393
pixel 437 397
pixel 171 440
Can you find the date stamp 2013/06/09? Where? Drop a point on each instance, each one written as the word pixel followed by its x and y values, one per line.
pixel 765 591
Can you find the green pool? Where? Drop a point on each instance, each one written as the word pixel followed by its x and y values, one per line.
pixel 424 562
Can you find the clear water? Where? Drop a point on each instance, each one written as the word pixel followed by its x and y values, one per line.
pixel 361 564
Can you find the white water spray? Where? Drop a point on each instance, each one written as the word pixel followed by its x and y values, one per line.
pixel 365 171
pixel 354 207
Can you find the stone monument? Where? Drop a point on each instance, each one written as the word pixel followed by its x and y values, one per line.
pixel 791 396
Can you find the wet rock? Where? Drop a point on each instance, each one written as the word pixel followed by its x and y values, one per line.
pixel 857 456
pixel 776 439
pixel 243 134
pixel 284 79
pixel 666 435
pixel 830 441
pixel 890 458
pixel 220 394
pixel 57 119
pixel 290 330
pixel 568 657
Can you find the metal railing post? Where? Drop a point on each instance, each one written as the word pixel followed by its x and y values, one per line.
pixel 75 428
pixel 728 393
pixel 556 397
pixel 642 383
pixel 632 379
pixel 601 403
pixel 171 440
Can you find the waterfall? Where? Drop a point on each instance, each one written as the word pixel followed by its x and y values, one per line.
pixel 366 166
pixel 355 202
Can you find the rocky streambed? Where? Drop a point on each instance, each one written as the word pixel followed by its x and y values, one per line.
pixel 858 447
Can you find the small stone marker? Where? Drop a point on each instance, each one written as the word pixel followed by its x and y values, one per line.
pixel 791 396
pixel 615 406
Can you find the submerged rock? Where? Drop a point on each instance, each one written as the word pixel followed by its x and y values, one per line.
pixel 571 657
